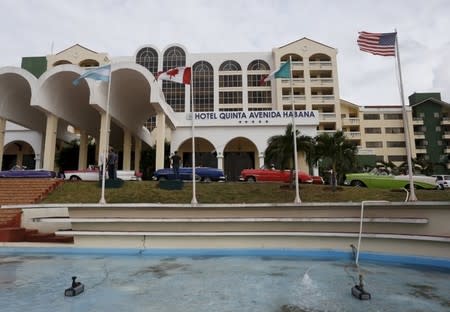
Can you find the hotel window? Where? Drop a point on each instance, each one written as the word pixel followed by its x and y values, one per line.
pixel 395 130
pixel 374 144
pixel 230 81
pixel 230 97
pixel 257 97
pixel 230 76
pixel 397 158
pixel 396 144
pixel 372 130
pixel 148 57
pixel 174 92
pixel 393 116
pixel 203 87
pixel 371 116
pixel 257 70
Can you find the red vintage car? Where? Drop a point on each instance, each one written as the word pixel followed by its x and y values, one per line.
pixel 272 175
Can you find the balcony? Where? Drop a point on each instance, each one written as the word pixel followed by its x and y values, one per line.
pixel 419 135
pixel 321 82
pixel 350 121
pixel 353 135
pixel 445 121
pixel 447 150
pixel 295 82
pixel 421 149
pixel 329 132
pixel 327 117
pixel 446 135
pixel 320 64
pixel 417 121
pixel 287 99
pixel 326 99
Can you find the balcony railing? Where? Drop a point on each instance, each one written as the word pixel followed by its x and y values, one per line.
pixel 322 98
pixel 350 121
pixel 353 134
pixel 327 116
pixel 445 121
pixel 417 121
pixel 297 99
pixel 330 132
pixel 294 81
pixel 320 64
pixel 322 81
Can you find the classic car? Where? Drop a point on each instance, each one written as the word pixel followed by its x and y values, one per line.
pixel 443 181
pixel 382 179
pixel 17 172
pixel 92 173
pixel 317 180
pixel 272 175
pixel 204 174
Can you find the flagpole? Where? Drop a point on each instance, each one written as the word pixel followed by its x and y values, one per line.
pixel 105 151
pixel 412 194
pixel 294 135
pixel 194 196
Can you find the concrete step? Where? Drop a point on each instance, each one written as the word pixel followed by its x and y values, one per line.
pixel 12 234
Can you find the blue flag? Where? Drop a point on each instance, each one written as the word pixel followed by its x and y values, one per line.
pixel 101 73
pixel 283 72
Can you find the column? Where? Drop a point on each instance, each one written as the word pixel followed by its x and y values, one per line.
pixel 137 154
pixel 50 142
pixel 126 165
pixel 2 139
pixel 261 161
pixel 104 137
pixel 219 160
pixel 160 139
pixel 82 154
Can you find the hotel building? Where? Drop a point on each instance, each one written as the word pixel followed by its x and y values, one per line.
pixel 233 115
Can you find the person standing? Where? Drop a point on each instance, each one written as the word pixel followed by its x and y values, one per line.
pixel 112 163
pixel 176 164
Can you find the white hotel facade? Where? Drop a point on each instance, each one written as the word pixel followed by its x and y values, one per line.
pixel 40 108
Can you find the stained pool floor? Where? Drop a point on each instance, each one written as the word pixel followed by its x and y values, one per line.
pixel 196 284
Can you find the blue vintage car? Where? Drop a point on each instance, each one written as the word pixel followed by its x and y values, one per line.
pixel 27 173
pixel 204 174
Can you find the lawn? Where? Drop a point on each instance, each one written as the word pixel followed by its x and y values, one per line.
pixel 228 192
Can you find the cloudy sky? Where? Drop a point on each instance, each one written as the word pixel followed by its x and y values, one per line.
pixel 119 27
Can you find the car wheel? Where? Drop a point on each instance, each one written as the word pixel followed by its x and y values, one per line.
pixel 251 179
pixel 440 187
pixel 358 183
pixel 74 178
pixel 207 179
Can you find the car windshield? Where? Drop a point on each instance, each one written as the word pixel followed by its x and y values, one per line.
pixel 379 171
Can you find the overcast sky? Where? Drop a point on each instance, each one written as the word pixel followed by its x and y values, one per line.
pixel 119 27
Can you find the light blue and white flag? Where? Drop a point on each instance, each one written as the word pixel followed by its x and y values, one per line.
pixel 101 73
pixel 283 72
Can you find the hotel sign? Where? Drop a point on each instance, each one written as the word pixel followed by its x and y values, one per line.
pixel 272 117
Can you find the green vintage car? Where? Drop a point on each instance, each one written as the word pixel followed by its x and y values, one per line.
pixel 380 179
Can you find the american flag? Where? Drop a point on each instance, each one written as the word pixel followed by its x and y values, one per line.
pixel 377 43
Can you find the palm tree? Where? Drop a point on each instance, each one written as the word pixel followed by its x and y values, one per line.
pixel 338 151
pixel 280 148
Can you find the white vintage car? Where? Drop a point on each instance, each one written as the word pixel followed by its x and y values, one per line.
pixel 92 173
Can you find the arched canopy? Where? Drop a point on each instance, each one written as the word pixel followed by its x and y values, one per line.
pixel 16 89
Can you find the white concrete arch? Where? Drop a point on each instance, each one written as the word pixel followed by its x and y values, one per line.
pixel 17 87
pixel 55 94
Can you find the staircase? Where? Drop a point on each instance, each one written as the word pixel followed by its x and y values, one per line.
pixel 24 191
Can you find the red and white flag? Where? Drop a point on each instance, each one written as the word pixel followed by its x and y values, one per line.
pixel 177 74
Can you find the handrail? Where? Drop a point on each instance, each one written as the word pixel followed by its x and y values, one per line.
pixel 361 223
